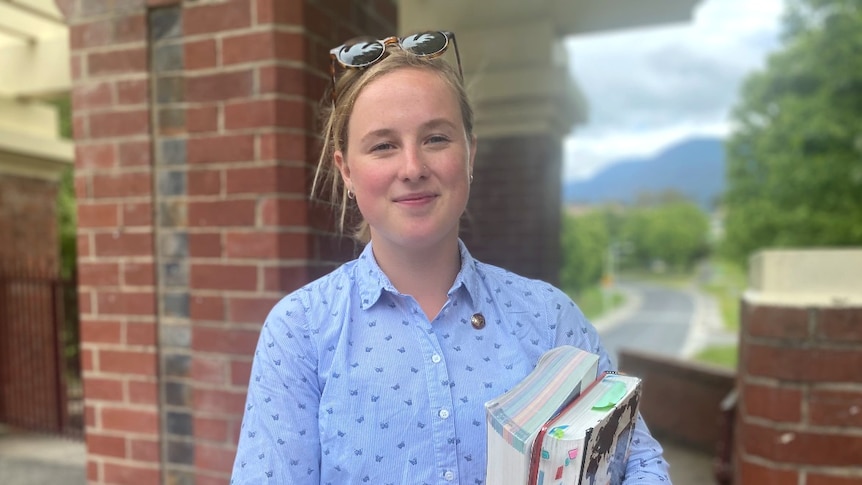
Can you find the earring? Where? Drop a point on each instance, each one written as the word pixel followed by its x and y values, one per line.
pixel 350 194
pixel 471 178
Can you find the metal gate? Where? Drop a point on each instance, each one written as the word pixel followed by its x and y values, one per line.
pixel 40 383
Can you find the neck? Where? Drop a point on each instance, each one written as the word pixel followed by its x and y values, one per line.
pixel 425 274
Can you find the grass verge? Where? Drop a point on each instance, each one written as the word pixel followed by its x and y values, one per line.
pixel 595 301
pixel 724 356
pixel 726 285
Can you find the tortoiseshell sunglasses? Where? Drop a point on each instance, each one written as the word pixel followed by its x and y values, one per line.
pixel 362 52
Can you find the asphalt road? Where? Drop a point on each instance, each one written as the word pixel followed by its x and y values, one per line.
pixel 660 323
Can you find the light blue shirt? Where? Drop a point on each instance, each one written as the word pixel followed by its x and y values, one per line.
pixel 351 383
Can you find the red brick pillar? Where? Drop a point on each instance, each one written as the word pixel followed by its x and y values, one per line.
pixel 197 139
pixel 514 215
pixel 799 420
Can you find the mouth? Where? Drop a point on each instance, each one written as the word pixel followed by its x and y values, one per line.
pixel 415 198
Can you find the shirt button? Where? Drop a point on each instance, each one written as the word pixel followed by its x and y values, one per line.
pixel 436 358
pixel 449 476
pixel 443 414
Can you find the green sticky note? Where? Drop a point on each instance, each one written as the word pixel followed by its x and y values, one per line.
pixel 612 396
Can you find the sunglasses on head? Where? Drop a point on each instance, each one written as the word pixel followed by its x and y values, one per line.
pixel 363 52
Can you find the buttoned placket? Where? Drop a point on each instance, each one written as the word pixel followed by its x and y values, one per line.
pixel 440 395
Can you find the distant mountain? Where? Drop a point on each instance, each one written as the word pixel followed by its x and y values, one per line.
pixel 694 168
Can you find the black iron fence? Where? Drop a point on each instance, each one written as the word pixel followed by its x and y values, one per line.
pixel 40 375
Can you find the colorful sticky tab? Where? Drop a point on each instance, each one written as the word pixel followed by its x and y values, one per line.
pixel 573 453
pixel 558 431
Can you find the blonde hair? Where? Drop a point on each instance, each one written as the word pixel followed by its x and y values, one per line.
pixel 335 118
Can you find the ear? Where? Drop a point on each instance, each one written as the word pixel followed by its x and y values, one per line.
pixel 472 153
pixel 342 167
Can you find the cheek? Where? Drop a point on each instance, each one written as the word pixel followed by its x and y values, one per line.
pixel 370 180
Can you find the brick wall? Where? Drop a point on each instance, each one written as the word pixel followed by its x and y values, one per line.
pixel 681 400
pixel 29 389
pixel 800 409
pixel 514 215
pixel 196 141
pixel 113 184
pixel 28 218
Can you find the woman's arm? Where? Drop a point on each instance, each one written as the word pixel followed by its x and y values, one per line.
pixel 279 440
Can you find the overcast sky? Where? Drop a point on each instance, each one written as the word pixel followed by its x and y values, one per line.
pixel 649 88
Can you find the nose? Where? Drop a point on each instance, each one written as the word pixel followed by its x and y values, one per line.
pixel 413 166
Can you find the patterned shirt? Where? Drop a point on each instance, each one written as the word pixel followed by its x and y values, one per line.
pixel 352 384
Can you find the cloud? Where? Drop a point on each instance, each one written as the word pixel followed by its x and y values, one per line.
pixel 648 88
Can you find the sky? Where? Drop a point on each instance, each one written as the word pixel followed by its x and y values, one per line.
pixel 649 88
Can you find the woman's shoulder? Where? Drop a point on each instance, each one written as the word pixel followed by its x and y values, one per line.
pixel 318 293
pixel 503 279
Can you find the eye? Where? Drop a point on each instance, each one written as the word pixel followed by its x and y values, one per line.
pixel 380 147
pixel 438 139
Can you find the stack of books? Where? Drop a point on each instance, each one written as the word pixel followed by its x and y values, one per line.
pixel 563 423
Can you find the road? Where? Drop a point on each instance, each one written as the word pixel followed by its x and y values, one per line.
pixel 655 319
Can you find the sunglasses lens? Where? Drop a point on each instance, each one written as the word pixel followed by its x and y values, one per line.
pixel 424 44
pixel 360 53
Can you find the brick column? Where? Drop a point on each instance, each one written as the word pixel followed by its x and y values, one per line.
pixel 197 139
pixel 513 218
pixel 799 419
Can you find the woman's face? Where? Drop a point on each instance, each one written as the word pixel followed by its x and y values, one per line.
pixel 408 159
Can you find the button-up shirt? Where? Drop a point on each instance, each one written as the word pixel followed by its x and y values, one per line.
pixel 351 383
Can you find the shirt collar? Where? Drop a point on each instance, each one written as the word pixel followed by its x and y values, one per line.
pixel 372 281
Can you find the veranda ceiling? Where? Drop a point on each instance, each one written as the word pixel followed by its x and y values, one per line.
pixel 34 67
pixel 34 49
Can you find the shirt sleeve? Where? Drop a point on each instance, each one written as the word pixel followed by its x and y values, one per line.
pixel 279 440
pixel 646 465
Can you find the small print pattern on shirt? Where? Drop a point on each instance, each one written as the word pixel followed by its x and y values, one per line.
pixel 351 383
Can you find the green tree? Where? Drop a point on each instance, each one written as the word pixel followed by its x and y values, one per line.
pixel 795 157
pixel 675 232
pixel 584 246
pixel 66 211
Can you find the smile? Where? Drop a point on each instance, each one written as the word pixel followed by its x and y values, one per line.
pixel 415 198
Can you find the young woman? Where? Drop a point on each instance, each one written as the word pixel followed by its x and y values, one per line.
pixel 378 372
